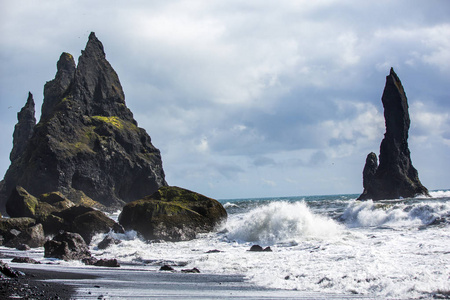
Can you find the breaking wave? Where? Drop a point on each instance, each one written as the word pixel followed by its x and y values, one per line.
pixel 280 222
pixel 375 214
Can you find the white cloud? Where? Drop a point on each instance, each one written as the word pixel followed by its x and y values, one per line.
pixel 233 91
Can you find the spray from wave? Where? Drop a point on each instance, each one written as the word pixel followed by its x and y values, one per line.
pixel 280 222
pixel 402 214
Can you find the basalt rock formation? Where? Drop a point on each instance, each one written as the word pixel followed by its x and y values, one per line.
pixel 172 214
pixel 24 128
pixel 395 177
pixel 87 144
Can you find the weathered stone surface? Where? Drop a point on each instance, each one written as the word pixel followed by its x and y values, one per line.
pixel 92 223
pixel 92 261
pixel 32 236
pixel 87 143
pixel 25 260
pixel 7 271
pixel 67 246
pixel 108 241
pixel 24 128
pixel 11 228
pixel 172 214
pixel 258 248
pixel 395 176
pixel 83 220
pixel 21 203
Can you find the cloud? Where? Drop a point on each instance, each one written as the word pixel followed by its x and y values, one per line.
pixel 232 92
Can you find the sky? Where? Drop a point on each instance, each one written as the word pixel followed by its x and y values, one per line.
pixel 251 98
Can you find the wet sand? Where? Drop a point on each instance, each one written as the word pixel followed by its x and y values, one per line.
pixel 128 283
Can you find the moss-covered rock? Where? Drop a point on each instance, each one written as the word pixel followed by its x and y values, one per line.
pixel 21 203
pixel 16 231
pixel 87 144
pixel 83 220
pixel 172 214
pixel 92 223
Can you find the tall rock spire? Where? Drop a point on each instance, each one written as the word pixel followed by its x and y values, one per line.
pixel 24 128
pixel 87 141
pixel 395 176
pixel 56 89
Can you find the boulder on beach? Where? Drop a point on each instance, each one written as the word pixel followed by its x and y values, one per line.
pixel 395 177
pixel 57 213
pixel 80 219
pixel 172 214
pixel 17 231
pixel 32 236
pixel 87 144
pixel 67 246
pixel 21 203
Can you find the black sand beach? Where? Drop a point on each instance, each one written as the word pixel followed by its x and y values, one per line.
pixel 51 282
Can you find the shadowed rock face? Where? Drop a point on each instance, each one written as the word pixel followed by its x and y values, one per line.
pixel 24 128
pixel 87 141
pixel 172 214
pixel 395 176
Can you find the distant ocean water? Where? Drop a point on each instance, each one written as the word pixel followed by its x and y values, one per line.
pixel 327 244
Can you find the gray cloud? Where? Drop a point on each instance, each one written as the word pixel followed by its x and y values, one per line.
pixel 252 98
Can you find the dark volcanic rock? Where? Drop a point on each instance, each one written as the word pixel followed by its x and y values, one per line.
pixel 258 248
pixel 172 214
pixel 24 128
pixel 6 270
pixel 83 220
pixel 32 236
pixel 92 261
pixel 15 230
pixel 395 176
pixel 25 260
pixel 87 143
pixel 67 246
pixel 107 242
pixel 21 204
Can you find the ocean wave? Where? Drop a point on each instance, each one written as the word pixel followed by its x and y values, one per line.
pixel 280 222
pixel 438 194
pixel 374 214
pixel 229 204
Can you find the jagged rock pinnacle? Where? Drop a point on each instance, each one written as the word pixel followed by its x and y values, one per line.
pixel 395 176
pixel 87 142
pixel 24 128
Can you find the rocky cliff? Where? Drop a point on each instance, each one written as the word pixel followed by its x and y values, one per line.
pixel 395 176
pixel 87 142
pixel 24 128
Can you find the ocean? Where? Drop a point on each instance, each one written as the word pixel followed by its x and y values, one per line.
pixel 326 244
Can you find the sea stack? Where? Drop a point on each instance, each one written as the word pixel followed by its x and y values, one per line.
pixel 87 143
pixel 395 177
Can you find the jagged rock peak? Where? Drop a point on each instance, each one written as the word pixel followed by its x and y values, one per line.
pixel 395 176
pixel 56 89
pixel 97 85
pixel 24 128
pixel 395 106
pixel 87 144
pixel 94 47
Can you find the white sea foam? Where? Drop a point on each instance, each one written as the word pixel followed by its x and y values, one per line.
pixel 229 204
pixel 438 194
pixel 280 222
pixel 379 249
pixel 369 213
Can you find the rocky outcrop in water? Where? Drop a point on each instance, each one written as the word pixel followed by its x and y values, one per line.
pixel 87 144
pixel 172 214
pixel 395 176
